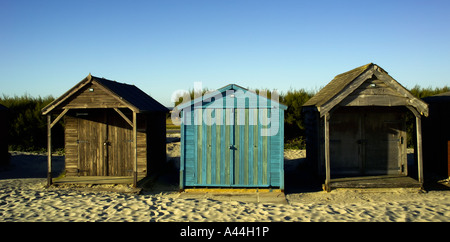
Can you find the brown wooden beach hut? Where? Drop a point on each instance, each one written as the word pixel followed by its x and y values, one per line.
pixel 436 136
pixel 4 155
pixel 114 132
pixel 355 127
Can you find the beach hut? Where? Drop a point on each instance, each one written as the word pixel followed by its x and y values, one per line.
pixel 4 155
pixel 232 138
pixel 436 136
pixel 114 132
pixel 355 127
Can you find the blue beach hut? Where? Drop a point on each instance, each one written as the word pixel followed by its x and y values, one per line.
pixel 232 137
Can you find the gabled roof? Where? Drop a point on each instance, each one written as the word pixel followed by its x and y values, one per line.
pixel 131 96
pixel 232 87
pixel 344 84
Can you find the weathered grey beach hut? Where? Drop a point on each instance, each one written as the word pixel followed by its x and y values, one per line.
pixel 4 155
pixel 114 132
pixel 232 138
pixel 436 136
pixel 355 126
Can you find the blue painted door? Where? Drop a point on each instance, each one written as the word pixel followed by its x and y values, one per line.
pixel 230 150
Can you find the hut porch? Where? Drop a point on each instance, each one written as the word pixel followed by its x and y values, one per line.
pixel 382 181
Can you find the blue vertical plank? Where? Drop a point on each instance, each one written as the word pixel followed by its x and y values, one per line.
pixel 182 158
pixel 268 149
pixel 196 148
pixel 200 147
pixel 223 148
pixel 255 148
pixel 228 154
pixel 242 149
pixel 260 151
pixel 281 144
pixel 204 148
pixel 219 134
pixel 232 143
pixel 246 151
pixel 250 147
pixel 213 151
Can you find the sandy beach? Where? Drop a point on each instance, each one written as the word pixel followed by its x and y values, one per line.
pixel 23 197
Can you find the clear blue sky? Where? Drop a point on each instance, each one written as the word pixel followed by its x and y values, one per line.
pixel 46 47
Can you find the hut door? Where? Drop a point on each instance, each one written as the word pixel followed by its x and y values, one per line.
pixel 345 143
pixel 385 143
pixel 91 135
pixel 104 145
pixel 250 148
pixel 229 149
pixel 118 146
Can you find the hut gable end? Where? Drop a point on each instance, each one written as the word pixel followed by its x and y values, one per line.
pixel 368 85
pixel 95 92
pixel 93 96
pixel 375 92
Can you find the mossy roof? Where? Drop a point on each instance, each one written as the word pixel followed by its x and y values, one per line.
pixel 336 86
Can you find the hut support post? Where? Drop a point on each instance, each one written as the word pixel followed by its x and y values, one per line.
pixel 327 152
pixel 135 173
pixel 419 148
pixel 49 150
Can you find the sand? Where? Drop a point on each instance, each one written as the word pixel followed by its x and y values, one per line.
pixel 23 197
pixel 27 200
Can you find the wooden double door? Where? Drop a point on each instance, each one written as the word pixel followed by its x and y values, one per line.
pixel 230 150
pixel 368 141
pixel 105 142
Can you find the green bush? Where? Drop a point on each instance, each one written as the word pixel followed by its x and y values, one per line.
pixel 294 130
pixel 27 126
